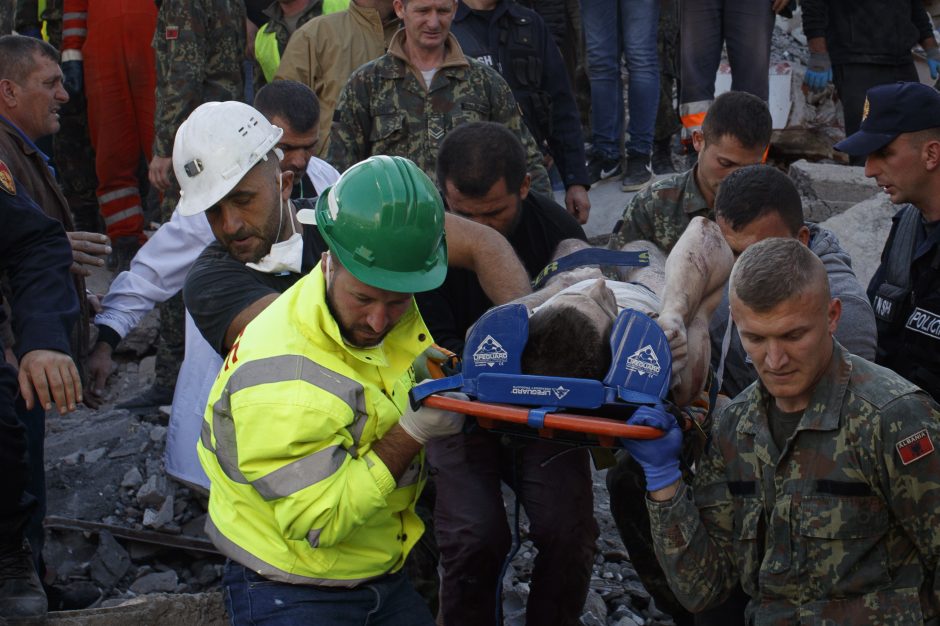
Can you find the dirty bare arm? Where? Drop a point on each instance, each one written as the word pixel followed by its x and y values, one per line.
pixel 488 254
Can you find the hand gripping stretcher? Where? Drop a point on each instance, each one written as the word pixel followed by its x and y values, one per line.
pixel 556 407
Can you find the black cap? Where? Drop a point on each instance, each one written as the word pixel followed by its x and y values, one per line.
pixel 889 111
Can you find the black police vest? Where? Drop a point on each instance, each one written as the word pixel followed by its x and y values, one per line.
pixel 907 308
pixel 517 52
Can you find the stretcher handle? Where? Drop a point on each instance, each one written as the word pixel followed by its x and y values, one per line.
pixel 600 426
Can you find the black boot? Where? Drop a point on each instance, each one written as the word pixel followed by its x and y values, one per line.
pixel 662 158
pixel 21 593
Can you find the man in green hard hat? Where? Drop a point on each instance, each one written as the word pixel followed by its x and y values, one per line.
pixel 313 449
pixel 225 160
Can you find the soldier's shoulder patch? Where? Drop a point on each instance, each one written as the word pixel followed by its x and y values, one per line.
pixel 917 446
pixel 6 179
pixel 171 32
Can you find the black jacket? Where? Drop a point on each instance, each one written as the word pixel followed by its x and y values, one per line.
pixel 909 328
pixel 880 32
pixel 529 60
pixel 36 255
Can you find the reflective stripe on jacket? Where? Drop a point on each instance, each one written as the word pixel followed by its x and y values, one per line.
pixel 297 493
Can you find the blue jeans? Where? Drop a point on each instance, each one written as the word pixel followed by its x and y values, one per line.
pixel 612 28
pixel 254 600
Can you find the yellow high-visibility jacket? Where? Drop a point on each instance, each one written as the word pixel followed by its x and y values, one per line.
pixel 297 493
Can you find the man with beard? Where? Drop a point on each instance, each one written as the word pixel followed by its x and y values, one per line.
pixel 314 451
pixel 261 246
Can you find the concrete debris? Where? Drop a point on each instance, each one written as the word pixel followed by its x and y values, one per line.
pixel 110 562
pixel 72 459
pixel 153 492
pixel 159 518
pixel 863 231
pixel 205 609
pixel 141 339
pixel 132 479
pixel 155 583
pixel 158 434
pixel 594 605
pixel 589 619
pixel 146 372
pixel 94 456
pixel 828 189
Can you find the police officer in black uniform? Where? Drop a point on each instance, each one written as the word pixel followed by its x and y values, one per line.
pixel 900 136
pixel 36 255
pixel 515 42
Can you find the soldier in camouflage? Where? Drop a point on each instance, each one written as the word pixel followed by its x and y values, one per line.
pixel 736 135
pixel 407 100
pixel 200 46
pixel 819 491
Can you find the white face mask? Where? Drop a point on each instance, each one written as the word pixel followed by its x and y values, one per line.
pixel 286 256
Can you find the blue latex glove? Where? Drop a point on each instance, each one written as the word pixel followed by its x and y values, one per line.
pixel 659 458
pixel 818 71
pixel 933 61
pixel 73 77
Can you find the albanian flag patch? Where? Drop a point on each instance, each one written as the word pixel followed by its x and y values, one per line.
pixel 6 179
pixel 917 446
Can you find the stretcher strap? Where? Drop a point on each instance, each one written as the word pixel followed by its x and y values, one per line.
pixel 591 256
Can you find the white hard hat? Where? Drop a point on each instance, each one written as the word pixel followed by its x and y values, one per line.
pixel 214 149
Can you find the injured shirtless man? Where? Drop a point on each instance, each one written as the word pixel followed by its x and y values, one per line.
pixel 573 314
pixel 569 331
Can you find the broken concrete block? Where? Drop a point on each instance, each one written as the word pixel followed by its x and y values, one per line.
pixel 594 605
pixel 72 459
pixel 863 231
pixel 155 583
pixel 158 434
pixel 132 478
pixel 153 492
pixel 205 609
pixel 94 456
pixel 110 562
pixel 159 519
pixel 146 372
pixel 829 189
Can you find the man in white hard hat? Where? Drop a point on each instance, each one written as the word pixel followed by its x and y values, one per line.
pixel 158 272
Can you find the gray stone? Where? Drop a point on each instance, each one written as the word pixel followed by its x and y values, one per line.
pixel 626 621
pixel 205 609
pixel 155 582
pixel 153 492
pixel 140 339
pixel 159 519
pixel 110 562
pixel 94 456
pixel 589 619
pixel 158 434
pixel 862 231
pixel 146 372
pixel 829 189
pixel 594 604
pixel 72 459
pixel 132 478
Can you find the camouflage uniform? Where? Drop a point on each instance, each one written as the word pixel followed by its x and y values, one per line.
pixel 661 211
pixel 200 45
pixel 840 527
pixel 385 109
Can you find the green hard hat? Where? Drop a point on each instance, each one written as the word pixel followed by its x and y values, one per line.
pixel 384 221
